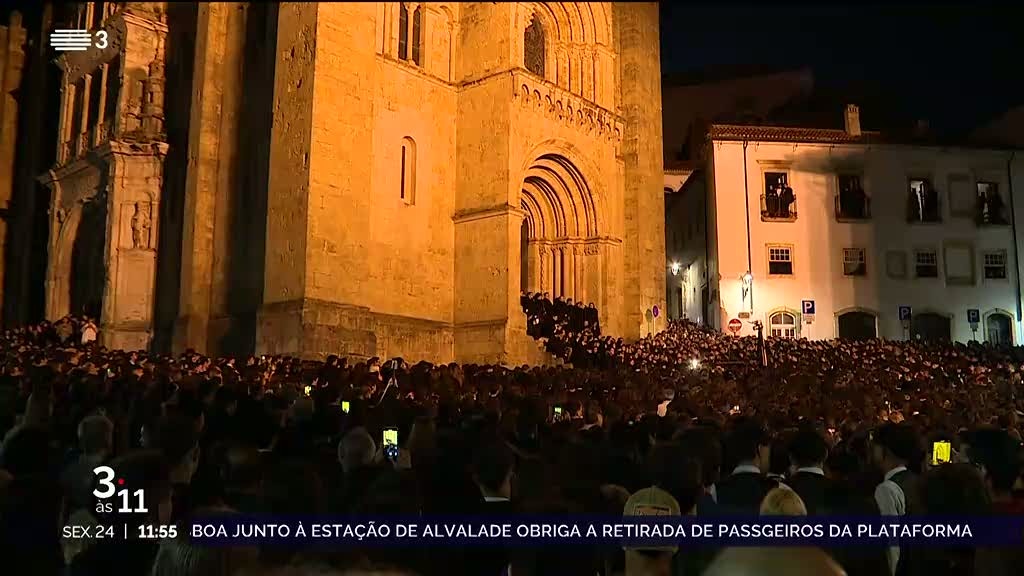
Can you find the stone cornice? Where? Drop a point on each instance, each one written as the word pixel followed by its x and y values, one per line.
pixel 487 212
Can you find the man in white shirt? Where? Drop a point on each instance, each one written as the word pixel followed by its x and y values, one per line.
pixel 893 446
pixel 89 332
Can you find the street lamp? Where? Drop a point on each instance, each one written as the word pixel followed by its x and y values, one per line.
pixel 748 281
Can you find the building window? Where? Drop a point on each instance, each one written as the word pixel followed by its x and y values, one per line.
pixel 989 204
pixel 896 264
pixel 533 48
pixel 98 14
pixel 962 203
pixel 995 265
pixel 410 35
pixel 778 202
pixel 854 262
pixel 782 325
pixel 852 203
pixel 780 261
pixel 407 188
pixel 958 263
pixel 926 264
pixel 922 201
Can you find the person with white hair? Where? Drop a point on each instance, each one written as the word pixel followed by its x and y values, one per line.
pixel 357 456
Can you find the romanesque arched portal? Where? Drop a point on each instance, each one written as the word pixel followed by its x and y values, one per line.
pixel 565 253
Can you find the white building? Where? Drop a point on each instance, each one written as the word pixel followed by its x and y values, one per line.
pixel 860 227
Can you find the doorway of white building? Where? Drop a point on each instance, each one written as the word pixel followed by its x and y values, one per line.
pixel 931 327
pixel 999 329
pixel 857 325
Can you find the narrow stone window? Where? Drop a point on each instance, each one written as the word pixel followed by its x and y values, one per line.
pixel 407 185
pixel 533 48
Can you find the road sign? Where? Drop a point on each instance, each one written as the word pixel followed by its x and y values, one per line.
pixel 735 325
pixel 905 313
pixel 973 315
pixel 655 311
pixel 808 307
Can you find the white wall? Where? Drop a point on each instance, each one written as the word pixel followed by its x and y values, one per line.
pixel 817 239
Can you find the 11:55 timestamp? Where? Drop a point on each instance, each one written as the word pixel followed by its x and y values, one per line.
pixel 157 531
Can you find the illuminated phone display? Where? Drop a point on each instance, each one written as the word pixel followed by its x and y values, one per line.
pixel 558 410
pixel 346 406
pixel 941 452
pixel 391 436
pixel 308 390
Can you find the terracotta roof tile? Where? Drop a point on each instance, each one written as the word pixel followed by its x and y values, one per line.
pixel 787 134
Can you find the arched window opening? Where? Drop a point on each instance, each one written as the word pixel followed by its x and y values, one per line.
pixel 407 187
pixel 533 48
pixel 857 325
pixel 410 34
pixel 783 325
pixel 999 329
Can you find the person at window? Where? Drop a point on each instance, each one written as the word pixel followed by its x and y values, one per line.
pixel 930 203
pixel 772 200
pixel 786 199
pixel 990 207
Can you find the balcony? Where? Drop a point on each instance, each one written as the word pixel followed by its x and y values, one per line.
pixel 923 210
pixel 776 209
pixel 990 213
pixel 852 207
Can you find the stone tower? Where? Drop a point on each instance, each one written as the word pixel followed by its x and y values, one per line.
pixel 382 179
pixel 12 61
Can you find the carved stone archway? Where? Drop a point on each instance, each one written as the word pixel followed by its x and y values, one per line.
pixel 567 250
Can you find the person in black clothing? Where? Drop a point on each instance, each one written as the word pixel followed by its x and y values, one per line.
pixel 786 199
pixel 807 452
pixel 590 319
pixel 492 469
pixel 748 445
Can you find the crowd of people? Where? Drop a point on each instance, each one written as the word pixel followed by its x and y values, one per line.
pixel 688 419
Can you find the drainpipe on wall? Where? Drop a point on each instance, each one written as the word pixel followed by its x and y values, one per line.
pixel 746 203
pixel 1013 226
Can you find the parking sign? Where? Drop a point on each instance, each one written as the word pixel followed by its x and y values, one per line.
pixel 807 306
pixel 973 316
pixel 905 313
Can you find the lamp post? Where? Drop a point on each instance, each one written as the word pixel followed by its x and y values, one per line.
pixel 747 281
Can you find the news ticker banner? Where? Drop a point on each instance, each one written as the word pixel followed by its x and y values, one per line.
pixel 554 531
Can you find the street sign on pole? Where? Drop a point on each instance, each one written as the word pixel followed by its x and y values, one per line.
pixel 735 325
pixel 655 311
pixel 807 310
pixel 905 313
pixel 974 318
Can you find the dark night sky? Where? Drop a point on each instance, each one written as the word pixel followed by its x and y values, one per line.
pixel 955 64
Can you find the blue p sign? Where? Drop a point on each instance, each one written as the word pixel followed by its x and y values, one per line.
pixel 973 316
pixel 807 306
pixel 905 313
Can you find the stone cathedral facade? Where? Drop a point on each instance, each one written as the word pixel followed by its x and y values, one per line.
pixel 368 179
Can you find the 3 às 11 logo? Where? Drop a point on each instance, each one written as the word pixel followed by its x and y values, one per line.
pixel 109 486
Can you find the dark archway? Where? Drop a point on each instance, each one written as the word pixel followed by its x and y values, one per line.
pixel 524 256
pixel 857 325
pixel 87 266
pixel 931 327
pixel 999 329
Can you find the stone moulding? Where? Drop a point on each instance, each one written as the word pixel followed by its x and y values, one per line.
pixel 565 108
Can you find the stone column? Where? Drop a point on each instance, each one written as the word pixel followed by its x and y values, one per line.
pixel 640 97
pixel 12 60
pixel 133 209
pixel 534 266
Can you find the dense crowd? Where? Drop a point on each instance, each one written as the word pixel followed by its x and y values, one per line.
pixel 687 419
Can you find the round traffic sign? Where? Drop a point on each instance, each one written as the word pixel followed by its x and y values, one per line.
pixel 655 310
pixel 735 325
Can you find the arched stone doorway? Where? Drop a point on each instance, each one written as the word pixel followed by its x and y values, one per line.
pixel 999 329
pixel 931 327
pixel 857 325
pixel 562 247
pixel 87 266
